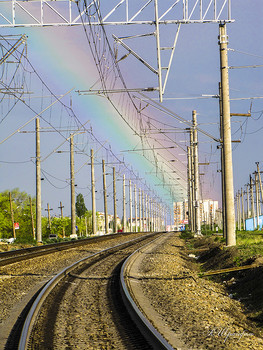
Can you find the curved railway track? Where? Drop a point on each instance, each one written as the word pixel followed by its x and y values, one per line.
pixel 82 307
pixel 14 256
pixel 134 302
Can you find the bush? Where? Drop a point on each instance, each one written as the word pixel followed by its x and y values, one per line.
pixel 186 235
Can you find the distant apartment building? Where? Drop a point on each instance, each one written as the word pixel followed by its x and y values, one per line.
pixel 209 212
pixel 180 213
pixel 101 222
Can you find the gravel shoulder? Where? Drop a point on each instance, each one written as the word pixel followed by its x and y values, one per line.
pixel 199 311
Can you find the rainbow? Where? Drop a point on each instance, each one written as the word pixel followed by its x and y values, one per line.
pixel 62 58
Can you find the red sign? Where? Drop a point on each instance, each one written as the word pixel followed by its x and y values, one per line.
pixel 16 225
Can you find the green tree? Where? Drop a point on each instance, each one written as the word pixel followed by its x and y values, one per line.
pixel 80 206
pixel 22 215
pixel 58 224
pixel 5 217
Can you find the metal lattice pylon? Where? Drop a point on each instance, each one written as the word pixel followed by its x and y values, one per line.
pixel 37 13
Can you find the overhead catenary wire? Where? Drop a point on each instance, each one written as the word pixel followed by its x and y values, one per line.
pixel 71 113
pixel 101 49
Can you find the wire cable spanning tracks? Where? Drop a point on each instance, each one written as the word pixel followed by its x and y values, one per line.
pixel 88 273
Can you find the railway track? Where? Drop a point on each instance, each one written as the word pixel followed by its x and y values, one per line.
pixel 82 307
pixel 14 256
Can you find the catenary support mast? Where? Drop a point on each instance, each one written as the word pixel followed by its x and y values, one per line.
pixel 227 146
pixel 72 187
pixel 38 184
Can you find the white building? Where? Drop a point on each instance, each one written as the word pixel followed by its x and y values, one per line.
pixel 180 214
pixel 101 222
pixel 208 212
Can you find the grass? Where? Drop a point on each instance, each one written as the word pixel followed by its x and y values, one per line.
pixel 248 284
pixel 186 235
pixel 249 244
pixel 249 237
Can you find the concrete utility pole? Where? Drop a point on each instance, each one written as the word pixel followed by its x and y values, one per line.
pixel 106 218
pixel 124 206
pixel 94 222
pixel 140 210
pixel 12 215
pixel 150 209
pixel 238 212
pixel 130 199
pixel 260 183
pixel 196 178
pixel 164 222
pixel 61 215
pixel 146 213
pixel 248 209
pixel 114 200
pixel 236 201
pixel 135 207
pixel 192 176
pixel 152 215
pixel 252 202
pixel 155 215
pixel 49 217
pixel 243 209
pixel 32 218
pixel 158 216
pixel 257 199
pixel 165 218
pixel 222 162
pixel 86 226
pixel 38 185
pixel 153 205
pixel 143 212
pixel 227 147
pixel 175 214
pixel 190 191
pixel 161 217
pixel 72 187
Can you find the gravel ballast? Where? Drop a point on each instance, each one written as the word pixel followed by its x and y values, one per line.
pixel 20 281
pixel 200 310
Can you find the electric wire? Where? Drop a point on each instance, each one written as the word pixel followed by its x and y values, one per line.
pixel 97 59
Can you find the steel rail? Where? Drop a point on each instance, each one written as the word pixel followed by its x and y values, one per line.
pixel 156 340
pixel 14 256
pixel 34 310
